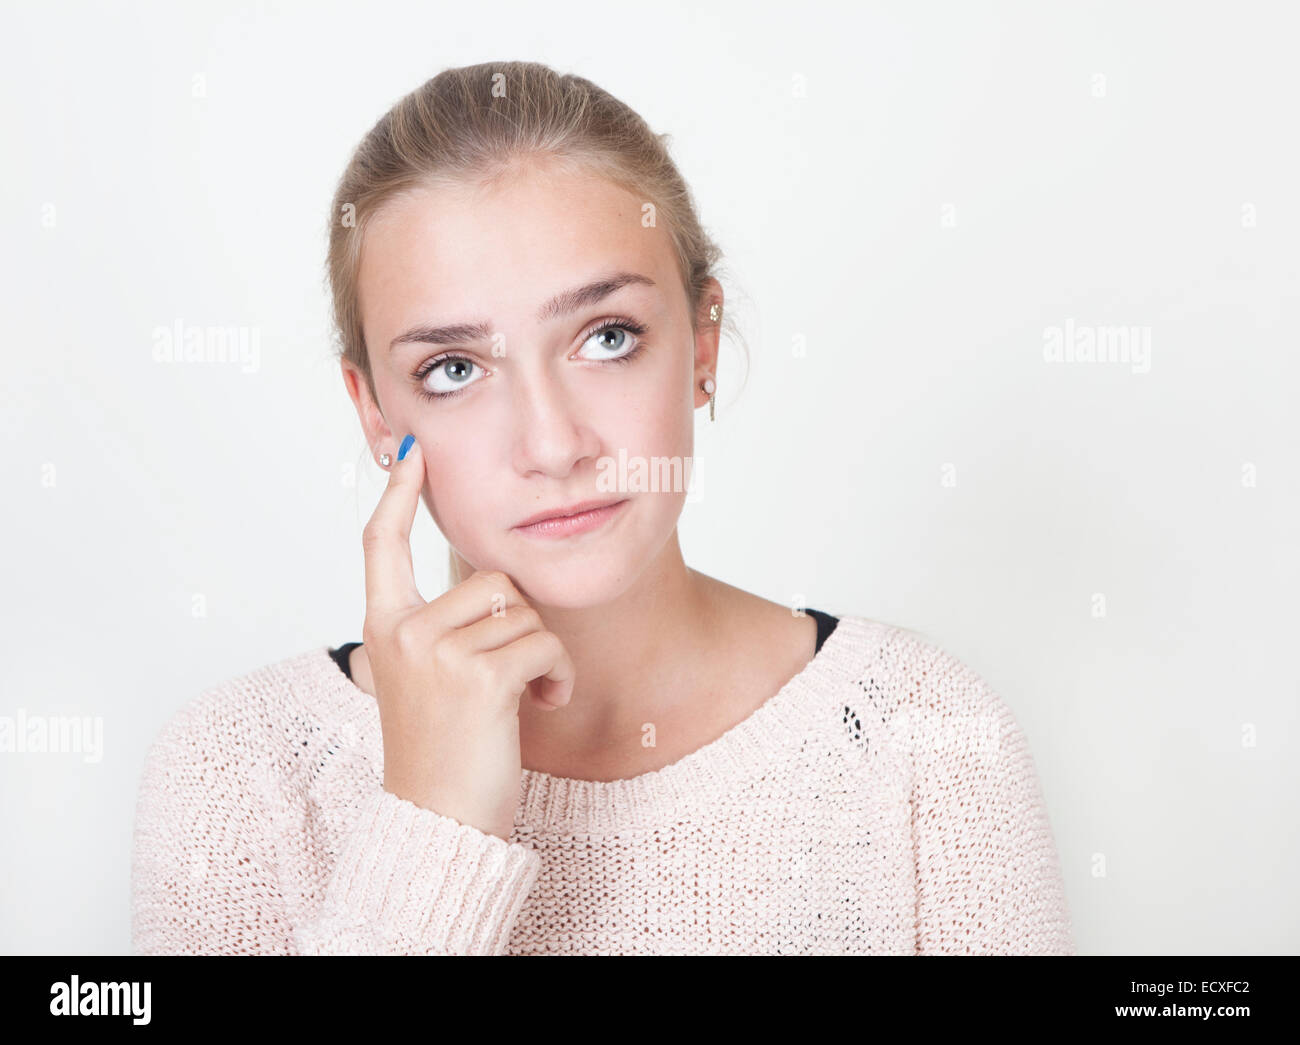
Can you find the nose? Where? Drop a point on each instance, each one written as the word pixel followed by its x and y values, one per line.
pixel 552 437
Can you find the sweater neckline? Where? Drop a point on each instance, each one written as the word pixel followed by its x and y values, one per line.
pixel 550 803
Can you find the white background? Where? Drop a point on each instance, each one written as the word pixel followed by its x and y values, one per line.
pixel 1129 164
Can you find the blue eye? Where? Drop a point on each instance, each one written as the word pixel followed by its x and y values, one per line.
pixel 623 335
pixel 460 364
pixel 458 368
pixel 622 328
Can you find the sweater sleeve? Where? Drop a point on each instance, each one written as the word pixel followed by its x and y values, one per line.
pixel 989 878
pixel 411 881
pixel 209 835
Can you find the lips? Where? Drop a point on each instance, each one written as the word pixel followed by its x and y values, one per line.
pixel 573 509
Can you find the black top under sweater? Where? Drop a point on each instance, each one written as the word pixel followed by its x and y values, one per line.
pixel 825 625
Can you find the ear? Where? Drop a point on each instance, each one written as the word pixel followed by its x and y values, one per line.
pixel 377 432
pixel 708 334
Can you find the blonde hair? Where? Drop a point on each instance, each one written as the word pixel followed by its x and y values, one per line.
pixel 478 124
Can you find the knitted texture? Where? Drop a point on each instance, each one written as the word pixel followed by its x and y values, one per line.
pixel 884 801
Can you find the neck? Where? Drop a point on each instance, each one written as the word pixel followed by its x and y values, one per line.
pixel 635 658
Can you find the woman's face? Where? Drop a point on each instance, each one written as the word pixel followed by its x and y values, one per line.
pixel 540 401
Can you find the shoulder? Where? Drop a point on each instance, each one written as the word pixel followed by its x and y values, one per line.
pixel 247 725
pixel 923 696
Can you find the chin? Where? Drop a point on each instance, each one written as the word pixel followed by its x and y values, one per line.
pixel 572 580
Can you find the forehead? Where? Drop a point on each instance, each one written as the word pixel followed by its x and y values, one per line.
pixel 462 252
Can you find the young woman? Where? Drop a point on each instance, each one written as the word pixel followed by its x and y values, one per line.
pixel 584 746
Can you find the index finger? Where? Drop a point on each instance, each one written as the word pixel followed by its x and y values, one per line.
pixel 386 539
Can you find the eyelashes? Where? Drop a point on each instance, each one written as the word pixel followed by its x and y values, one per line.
pixel 624 323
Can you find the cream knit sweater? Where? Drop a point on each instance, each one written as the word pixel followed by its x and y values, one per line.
pixel 884 801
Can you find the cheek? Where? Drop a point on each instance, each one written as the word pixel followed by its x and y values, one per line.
pixel 665 432
pixel 453 487
pixel 657 419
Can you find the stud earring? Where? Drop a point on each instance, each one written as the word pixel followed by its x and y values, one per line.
pixel 709 387
pixel 385 460
pixel 714 312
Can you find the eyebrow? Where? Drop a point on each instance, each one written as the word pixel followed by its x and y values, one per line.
pixel 562 304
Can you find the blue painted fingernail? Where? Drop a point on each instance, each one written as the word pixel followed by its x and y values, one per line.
pixel 407 443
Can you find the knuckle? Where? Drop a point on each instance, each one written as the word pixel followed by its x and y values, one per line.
pixel 371 534
pixel 526 614
pixel 484 673
pixel 496 678
pixel 445 649
pixel 443 654
pixel 406 638
pixel 554 647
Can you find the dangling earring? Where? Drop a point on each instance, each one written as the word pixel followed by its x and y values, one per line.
pixel 385 460
pixel 715 313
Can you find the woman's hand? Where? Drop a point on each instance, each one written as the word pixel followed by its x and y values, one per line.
pixel 449 674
